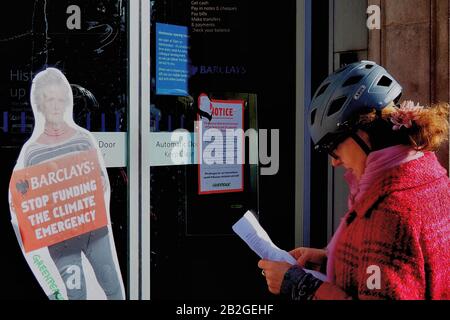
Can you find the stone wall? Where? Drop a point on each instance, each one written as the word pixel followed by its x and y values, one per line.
pixel 413 44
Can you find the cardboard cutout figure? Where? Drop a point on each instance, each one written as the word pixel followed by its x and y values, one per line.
pixel 59 198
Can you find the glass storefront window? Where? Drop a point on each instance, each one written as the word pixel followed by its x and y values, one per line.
pixel 91 49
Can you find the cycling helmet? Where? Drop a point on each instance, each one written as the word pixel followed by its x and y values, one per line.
pixel 354 89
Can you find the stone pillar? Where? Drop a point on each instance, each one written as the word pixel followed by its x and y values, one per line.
pixel 413 44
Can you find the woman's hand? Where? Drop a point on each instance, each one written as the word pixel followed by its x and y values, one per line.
pixel 274 273
pixel 309 258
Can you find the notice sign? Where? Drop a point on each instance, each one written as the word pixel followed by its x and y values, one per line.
pixel 58 200
pixel 221 141
pixel 172 71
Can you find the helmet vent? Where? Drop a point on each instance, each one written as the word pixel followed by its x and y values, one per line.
pixel 336 106
pixel 351 81
pixel 313 116
pixel 369 66
pixel 385 82
pixel 322 89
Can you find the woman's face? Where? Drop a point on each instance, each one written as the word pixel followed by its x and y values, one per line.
pixel 351 156
pixel 54 104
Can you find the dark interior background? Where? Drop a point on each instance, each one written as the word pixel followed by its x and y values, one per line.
pixel 212 262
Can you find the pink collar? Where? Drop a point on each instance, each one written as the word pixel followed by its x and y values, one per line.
pixel 377 164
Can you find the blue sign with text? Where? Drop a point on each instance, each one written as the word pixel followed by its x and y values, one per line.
pixel 172 69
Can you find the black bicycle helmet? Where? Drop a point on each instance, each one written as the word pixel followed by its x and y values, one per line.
pixel 354 89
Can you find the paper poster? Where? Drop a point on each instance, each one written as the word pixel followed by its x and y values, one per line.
pixel 221 141
pixel 59 197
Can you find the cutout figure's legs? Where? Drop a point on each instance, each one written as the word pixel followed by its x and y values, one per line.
pixel 67 258
pixel 100 255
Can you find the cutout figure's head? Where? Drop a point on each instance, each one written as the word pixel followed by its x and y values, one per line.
pixel 51 95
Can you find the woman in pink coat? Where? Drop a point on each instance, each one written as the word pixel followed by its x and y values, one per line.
pixel 394 241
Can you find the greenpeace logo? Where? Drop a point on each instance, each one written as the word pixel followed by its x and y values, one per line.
pixel 221 185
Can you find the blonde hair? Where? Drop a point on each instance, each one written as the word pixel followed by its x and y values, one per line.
pixel 429 130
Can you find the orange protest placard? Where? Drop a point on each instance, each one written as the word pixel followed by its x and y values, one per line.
pixel 59 200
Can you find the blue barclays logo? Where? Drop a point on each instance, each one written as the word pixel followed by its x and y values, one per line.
pixel 215 69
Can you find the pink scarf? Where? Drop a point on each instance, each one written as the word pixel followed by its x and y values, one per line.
pixel 377 163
